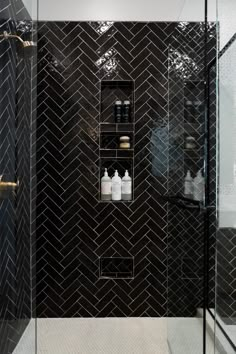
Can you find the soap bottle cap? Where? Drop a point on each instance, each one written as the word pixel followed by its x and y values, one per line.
pixel 199 174
pixel 188 174
pixel 118 102
pixel 126 173
pixel 116 173
pixel 126 102
pixel 105 173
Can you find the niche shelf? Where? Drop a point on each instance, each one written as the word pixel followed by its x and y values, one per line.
pixel 116 268
pixel 120 164
pixel 112 91
pixel 111 156
pixel 109 145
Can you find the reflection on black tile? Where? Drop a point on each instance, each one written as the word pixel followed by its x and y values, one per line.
pixel 192 268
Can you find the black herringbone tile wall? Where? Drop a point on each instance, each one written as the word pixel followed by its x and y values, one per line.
pixel 74 229
pixel 15 117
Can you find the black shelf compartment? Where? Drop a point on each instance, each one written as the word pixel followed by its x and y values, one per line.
pixel 112 140
pixel 121 164
pixel 194 93
pixel 111 91
pixel 116 268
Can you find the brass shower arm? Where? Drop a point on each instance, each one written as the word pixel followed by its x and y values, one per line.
pixel 6 35
pixel 28 46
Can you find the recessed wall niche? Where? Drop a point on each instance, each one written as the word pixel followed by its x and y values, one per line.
pixel 116 267
pixel 112 156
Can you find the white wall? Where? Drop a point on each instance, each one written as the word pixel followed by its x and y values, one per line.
pixel 121 10
pixel 227 140
pixel 194 10
pixel 31 6
pixel 227 116
pixel 226 16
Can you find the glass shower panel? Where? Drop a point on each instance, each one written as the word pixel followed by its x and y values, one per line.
pixel 17 59
pixel 225 309
pixel 187 152
pixel 185 216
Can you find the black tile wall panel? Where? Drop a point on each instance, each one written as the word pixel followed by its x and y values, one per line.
pixel 212 188
pixel 15 87
pixel 73 228
pixel 222 240
pixel 225 275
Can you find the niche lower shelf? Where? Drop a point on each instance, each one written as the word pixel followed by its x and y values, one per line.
pixel 120 164
pixel 116 268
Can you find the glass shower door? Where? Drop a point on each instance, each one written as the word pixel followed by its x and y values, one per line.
pixel 17 60
pixel 193 47
pixel 185 215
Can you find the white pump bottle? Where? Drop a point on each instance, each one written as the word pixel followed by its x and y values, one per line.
pixel 188 185
pixel 198 187
pixel 105 186
pixel 116 187
pixel 126 187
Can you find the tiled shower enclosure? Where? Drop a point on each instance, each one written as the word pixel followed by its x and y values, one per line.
pixel 75 230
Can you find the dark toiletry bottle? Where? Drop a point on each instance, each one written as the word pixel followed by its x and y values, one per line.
pixel 189 109
pixel 197 106
pixel 126 112
pixel 118 111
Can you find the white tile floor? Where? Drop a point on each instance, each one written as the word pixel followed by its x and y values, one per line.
pixel 114 336
pixel 96 336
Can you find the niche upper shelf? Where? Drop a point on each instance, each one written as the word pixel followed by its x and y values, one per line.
pixel 112 91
